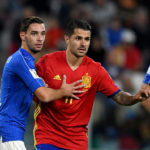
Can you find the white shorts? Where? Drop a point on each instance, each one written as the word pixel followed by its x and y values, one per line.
pixel 12 145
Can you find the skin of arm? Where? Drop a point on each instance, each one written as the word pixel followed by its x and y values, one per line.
pixel 146 103
pixel 124 98
pixel 66 90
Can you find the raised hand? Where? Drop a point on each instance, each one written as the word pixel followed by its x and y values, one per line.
pixel 70 89
pixel 146 103
pixel 145 90
pixel 144 93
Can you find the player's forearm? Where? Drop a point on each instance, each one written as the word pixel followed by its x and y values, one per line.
pixel 124 98
pixel 49 94
pixel 54 94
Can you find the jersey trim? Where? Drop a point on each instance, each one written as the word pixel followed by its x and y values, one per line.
pixel 36 113
pixel 114 93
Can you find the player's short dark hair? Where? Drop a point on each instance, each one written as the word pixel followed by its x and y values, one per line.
pixel 30 20
pixel 76 23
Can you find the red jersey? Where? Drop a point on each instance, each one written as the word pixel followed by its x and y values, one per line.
pixel 63 122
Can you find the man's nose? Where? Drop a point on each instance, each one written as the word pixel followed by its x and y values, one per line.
pixel 83 42
pixel 40 37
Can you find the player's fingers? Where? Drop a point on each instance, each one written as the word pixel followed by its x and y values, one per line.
pixel 64 79
pixel 77 82
pixel 74 96
pixel 140 97
pixel 46 85
pixel 79 86
pixel 146 93
pixel 77 92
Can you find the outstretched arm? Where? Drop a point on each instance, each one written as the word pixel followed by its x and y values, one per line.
pixel 124 98
pixel 66 90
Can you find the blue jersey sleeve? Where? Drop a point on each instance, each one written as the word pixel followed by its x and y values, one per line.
pixel 147 76
pixel 25 70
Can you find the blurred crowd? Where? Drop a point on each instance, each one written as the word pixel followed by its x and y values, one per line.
pixel 120 42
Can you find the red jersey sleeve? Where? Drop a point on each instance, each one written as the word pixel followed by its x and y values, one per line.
pixel 105 83
pixel 41 66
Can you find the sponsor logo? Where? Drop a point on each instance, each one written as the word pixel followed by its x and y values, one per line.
pixel 34 74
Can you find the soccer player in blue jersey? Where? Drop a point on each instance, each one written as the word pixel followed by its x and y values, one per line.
pixel 146 86
pixel 20 82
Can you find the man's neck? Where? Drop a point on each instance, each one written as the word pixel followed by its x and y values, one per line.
pixel 73 61
pixel 33 54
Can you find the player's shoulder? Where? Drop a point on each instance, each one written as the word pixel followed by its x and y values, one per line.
pixel 13 59
pixel 94 66
pixel 91 62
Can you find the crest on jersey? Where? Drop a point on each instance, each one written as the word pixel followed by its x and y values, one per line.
pixel 86 81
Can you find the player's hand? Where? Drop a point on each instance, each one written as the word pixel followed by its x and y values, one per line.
pixel 145 89
pixel 69 90
pixel 144 92
pixel 146 103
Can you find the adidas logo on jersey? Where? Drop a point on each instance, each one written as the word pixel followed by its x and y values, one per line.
pixel 57 77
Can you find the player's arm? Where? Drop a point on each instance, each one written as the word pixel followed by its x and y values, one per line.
pixel 36 85
pixel 66 90
pixel 125 98
pixel 146 103
pixel 146 85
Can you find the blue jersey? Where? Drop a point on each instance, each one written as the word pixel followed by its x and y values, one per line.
pixel 19 81
pixel 147 76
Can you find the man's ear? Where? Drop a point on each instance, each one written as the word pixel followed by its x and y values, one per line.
pixel 22 36
pixel 66 39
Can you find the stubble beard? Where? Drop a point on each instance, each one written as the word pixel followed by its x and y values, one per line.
pixel 31 48
pixel 79 55
pixel 34 51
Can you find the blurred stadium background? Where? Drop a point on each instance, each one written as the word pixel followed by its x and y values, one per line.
pixel 120 41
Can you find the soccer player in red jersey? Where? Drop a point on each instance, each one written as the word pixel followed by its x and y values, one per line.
pixel 62 124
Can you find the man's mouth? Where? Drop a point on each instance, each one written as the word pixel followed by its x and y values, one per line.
pixel 39 45
pixel 81 50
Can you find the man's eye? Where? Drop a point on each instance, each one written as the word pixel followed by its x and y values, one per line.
pixel 87 39
pixel 78 38
pixel 43 33
pixel 33 33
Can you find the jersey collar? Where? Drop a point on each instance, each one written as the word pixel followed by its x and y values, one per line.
pixel 26 54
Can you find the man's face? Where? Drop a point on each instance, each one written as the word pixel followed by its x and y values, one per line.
pixel 78 43
pixel 34 37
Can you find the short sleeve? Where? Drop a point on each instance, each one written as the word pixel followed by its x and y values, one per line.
pixel 105 83
pixel 40 66
pixel 27 74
